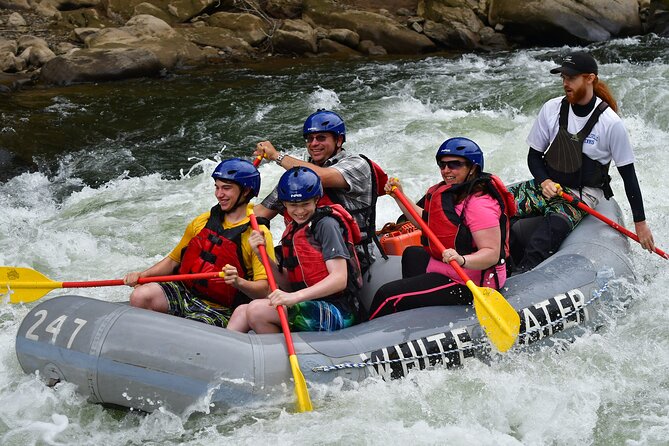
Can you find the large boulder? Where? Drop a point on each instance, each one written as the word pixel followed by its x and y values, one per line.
pixel 182 10
pixel 150 33
pixel 217 38
pixel 249 27
pixel 570 21
pixel 382 30
pixel 98 65
pixel 295 37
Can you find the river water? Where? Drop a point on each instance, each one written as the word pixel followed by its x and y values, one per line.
pixel 98 180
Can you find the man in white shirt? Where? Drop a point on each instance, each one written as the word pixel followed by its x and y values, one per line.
pixel 572 143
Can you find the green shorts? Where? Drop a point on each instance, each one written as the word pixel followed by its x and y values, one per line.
pixel 532 203
pixel 184 304
pixel 318 315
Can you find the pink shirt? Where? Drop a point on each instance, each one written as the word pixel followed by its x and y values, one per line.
pixel 483 212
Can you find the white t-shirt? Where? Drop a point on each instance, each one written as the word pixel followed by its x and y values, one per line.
pixel 607 141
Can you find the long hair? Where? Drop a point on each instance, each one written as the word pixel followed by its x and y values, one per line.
pixel 602 91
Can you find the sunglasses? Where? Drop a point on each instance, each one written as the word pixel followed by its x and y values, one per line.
pixel 452 164
pixel 320 138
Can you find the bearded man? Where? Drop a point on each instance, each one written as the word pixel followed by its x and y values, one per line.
pixel 572 144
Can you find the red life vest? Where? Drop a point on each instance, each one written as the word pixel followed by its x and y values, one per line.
pixel 210 250
pixel 302 255
pixel 366 216
pixel 449 227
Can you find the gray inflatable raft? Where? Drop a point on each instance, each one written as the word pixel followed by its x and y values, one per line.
pixel 124 356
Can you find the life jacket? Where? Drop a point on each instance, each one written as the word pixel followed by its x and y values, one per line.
pixel 379 178
pixel 365 217
pixel 449 227
pixel 210 250
pixel 303 258
pixel 565 161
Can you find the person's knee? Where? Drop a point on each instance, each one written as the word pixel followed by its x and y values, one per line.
pixel 255 312
pixel 149 296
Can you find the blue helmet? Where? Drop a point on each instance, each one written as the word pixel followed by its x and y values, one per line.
pixel 324 121
pixel 239 171
pixel 463 147
pixel 299 184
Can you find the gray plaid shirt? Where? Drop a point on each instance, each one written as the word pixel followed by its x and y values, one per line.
pixel 358 175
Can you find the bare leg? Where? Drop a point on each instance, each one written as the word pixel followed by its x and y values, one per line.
pixel 263 317
pixel 149 296
pixel 238 320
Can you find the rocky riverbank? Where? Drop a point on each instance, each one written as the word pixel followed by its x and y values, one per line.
pixel 59 42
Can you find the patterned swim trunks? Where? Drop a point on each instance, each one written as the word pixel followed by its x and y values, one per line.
pixel 532 203
pixel 184 304
pixel 318 315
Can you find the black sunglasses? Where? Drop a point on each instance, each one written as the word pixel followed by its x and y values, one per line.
pixel 452 164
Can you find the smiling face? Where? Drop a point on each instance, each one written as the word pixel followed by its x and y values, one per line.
pixel 455 169
pixel 322 146
pixel 301 211
pixel 227 193
pixel 578 88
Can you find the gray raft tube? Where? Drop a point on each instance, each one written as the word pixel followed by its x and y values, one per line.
pixel 123 356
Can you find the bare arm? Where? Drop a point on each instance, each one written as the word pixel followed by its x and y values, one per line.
pixel 262 211
pixel 334 282
pixel 330 177
pixel 162 268
pixel 395 183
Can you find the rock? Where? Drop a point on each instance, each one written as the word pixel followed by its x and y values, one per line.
pixel 82 33
pixel 371 49
pixel 16 20
pixel 344 36
pixel 581 21
pixel 15 4
pixel 460 17
pixel 8 46
pixel 96 65
pixel 65 48
pixel 151 9
pixel 249 27
pixel 284 9
pixel 452 35
pixel 150 33
pixel 375 27
pixel 294 37
pixel 182 10
pixel 217 38
pixel 9 63
pixel 327 46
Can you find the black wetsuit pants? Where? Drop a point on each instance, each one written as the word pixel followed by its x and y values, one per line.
pixel 417 288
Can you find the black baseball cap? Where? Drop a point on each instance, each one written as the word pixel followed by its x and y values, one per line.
pixel 576 63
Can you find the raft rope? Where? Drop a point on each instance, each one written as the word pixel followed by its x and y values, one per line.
pixel 596 294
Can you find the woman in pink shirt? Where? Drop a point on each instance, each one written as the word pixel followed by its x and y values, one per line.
pixel 469 213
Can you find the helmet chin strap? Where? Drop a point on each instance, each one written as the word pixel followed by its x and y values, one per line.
pixel 245 191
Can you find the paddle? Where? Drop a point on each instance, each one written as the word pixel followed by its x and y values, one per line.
pixel 608 221
pixel 497 317
pixel 28 285
pixel 303 400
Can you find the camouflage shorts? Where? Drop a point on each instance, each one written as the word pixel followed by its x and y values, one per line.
pixel 318 315
pixel 184 304
pixel 532 203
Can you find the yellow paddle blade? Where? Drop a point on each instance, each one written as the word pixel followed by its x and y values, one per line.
pixel 303 399
pixel 25 284
pixel 497 317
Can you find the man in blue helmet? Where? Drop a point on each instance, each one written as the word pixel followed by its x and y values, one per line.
pixel 572 143
pixel 216 240
pixel 350 180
